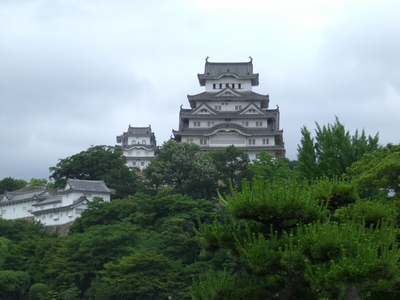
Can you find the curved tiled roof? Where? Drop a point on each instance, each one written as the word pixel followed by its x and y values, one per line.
pixel 245 95
pixel 227 127
pixel 87 186
pixel 57 198
pixel 236 96
pixel 239 114
pixel 216 70
pixel 29 195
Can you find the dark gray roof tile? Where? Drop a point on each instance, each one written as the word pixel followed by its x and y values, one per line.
pixel 87 186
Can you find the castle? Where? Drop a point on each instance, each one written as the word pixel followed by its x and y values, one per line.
pixel 227 113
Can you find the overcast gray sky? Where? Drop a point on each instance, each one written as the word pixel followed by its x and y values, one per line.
pixel 76 73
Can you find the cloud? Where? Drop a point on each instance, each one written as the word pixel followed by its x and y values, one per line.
pixel 75 74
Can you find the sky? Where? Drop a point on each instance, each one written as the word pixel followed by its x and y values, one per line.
pixel 76 73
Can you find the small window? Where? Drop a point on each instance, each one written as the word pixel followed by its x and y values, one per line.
pixel 245 123
pixel 137 152
pixel 203 141
pixel 134 163
pixel 252 142
pixel 258 123
pixel 265 141
pixel 142 163
pixel 238 107
pixel 211 123
pixel 217 107
pixel 227 85
pixel 233 85
pixel 220 85
pixel 214 86
pixel 133 142
pixel 239 86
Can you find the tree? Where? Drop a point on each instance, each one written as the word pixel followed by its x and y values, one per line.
pixel 183 167
pixel 11 184
pixel 232 165
pixel 37 182
pixel 271 168
pixel 290 247
pixel 378 170
pixel 99 212
pixel 152 278
pixel 333 150
pixel 97 163
pixel 12 283
pixel 77 259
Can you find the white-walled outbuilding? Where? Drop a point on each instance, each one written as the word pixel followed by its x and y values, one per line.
pixel 50 209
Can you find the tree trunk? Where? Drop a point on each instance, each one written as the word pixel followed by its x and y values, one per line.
pixel 351 293
pixel 290 288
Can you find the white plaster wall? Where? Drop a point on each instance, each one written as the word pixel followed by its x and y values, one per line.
pixel 135 161
pixel 17 210
pixel 69 198
pixel 59 217
pixel 138 140
pixel 138 152
pixel 245 84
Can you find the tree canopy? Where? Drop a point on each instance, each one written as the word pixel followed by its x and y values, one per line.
pixel 232 166
pixel 183 167
pixel 283 234
pixel 97 163
pixel 332 151
pixel 378 170
pixel 11 184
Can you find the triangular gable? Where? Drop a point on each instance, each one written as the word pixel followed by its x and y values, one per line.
pixel 228 92
pixel 203 109
pixel 251 109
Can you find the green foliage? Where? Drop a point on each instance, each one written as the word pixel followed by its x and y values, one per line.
pixel 37 291
pixel 232 166
pixel 97 163
pixel 183 167
pixel 282 205
pixel 5 247
pixel 357 256
pixel 370 212
pixel 77 259
pixel 269 167
pixel 153 276
pixel 37 182
pixel 65 293
pixel 282 234
pixel 333 150
pixel 99 212
pixel 13 284
pixel 99 290
pixel 226 286
pixel 19 229
pixel 378 170
pixel 11 184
